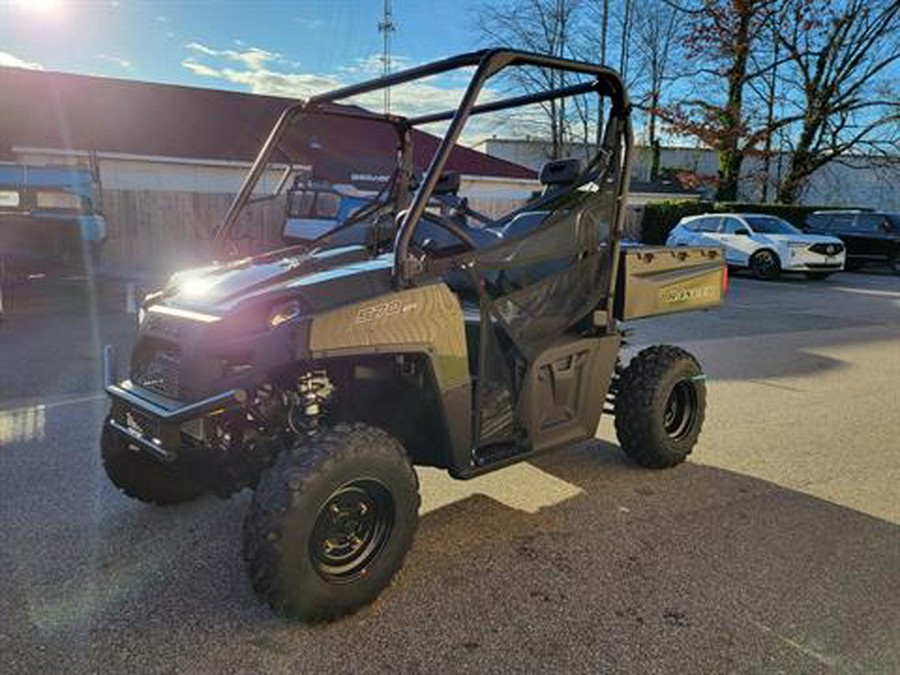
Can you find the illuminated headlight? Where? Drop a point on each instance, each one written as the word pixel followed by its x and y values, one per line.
pixel 142 314
pixel 283 313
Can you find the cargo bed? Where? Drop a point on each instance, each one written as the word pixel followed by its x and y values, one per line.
pixel 654 280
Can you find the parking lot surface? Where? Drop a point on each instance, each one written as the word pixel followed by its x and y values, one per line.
pixel 776 548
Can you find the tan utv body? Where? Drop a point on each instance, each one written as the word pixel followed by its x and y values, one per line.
pixel 417 331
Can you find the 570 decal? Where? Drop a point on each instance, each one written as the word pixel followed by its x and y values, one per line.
pixel 382 310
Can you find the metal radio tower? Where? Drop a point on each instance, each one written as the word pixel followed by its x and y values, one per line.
pixel 386 27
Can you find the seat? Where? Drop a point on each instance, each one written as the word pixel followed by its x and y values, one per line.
pixel 524 223
pixel 560 173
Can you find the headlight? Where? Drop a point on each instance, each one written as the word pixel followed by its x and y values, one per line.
pixel 283 313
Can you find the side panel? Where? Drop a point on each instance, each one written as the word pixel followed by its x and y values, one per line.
pixel 428 319
pixel 565 391
pixel 661 280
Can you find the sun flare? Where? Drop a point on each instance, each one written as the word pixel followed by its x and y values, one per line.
pixel 40 5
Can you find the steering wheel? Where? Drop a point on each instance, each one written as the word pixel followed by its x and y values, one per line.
pixel 446 224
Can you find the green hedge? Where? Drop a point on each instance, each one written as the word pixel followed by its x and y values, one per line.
pixel 661 217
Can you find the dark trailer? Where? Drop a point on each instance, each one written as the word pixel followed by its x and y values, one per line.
pixel 49 223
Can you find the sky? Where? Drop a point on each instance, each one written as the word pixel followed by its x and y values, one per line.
pixel 285 48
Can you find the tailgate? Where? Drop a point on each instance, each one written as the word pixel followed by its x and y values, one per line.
pixel 660 280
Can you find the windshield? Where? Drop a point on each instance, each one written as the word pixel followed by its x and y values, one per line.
pixel 770 225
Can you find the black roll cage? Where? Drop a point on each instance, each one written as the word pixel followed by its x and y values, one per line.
pixel 487 63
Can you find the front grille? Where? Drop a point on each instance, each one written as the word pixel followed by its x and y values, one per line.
pixel 159 372
pixel 826 249
pixel 141 423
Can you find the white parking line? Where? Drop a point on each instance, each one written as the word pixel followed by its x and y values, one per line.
pixel 867 291
pixel 22 406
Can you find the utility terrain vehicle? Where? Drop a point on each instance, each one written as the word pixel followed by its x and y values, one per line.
pixel 319 374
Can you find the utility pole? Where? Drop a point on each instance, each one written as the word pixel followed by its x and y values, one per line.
pixel 386 27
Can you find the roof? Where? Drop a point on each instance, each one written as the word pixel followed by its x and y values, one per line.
pixel 79 112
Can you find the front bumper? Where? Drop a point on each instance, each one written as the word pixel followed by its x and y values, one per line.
pixel 804 260
pixel 152 422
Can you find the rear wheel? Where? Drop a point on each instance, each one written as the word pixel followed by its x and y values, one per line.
pixel 331 522
pixel 141 477
pixel 894 262
pixel 765 265
pixel 660 405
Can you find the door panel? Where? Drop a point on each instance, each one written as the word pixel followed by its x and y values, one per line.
pixel 738 247
pixel 533 289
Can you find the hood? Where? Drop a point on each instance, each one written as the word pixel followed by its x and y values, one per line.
pixel 312 276
pixel 802 238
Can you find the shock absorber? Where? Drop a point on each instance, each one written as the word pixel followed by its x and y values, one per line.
pixel 307 401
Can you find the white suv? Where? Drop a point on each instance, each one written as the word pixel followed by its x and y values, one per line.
pixel 765 244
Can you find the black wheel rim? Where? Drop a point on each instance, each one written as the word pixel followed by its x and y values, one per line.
pixel 681 410
pixel 351 529
pixel 764 263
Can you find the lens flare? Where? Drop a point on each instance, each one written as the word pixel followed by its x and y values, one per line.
pixel 40 5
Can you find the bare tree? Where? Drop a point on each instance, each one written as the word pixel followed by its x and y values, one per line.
pixel 544 26
pixel 842 55
pixel 721 37
pixel 654 37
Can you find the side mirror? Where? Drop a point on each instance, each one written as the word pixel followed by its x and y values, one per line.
pixel 743 231
pixel 885 226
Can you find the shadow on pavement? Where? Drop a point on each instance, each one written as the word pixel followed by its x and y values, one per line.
pixel 695 569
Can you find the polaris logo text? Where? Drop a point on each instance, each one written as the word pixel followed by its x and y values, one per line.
pixel 671 296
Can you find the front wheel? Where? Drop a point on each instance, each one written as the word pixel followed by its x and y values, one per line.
pixel 331 522
pixel 765 265
pixel 660 404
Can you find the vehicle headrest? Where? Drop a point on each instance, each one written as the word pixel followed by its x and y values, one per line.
pixel 560 171
pixel 448 183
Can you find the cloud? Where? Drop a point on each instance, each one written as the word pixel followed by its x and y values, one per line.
pixel 116 60
pixel 261 71
pixel 10 61
pixel 311 24
pixel 251 57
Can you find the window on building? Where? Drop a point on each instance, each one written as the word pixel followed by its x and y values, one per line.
pixel 57 200
pixel 10 200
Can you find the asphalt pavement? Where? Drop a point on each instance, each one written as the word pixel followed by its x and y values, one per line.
pixel 776 548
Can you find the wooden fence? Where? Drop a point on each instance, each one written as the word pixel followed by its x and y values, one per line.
pixel 151 231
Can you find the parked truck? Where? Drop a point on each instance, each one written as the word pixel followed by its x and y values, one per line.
pixel 49 222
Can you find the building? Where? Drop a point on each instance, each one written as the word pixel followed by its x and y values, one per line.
pixel 854 181
pixel 167 160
